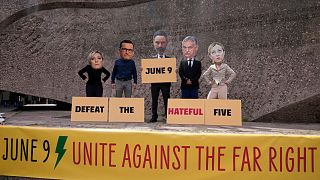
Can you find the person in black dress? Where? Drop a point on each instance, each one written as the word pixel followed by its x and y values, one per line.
pixel 94 70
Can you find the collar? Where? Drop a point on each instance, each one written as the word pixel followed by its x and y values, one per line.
pixel 222 66
pixel 163 56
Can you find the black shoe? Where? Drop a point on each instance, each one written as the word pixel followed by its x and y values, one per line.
pixel 153 120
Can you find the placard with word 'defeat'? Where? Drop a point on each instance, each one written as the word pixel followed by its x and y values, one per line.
pixel 158 70
pixel 185 111
pixel 223 112
pixel 126 110
pixel 89 109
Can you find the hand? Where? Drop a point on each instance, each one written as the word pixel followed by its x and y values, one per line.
pixel 134 86
pixel 113 86
pixel 189 81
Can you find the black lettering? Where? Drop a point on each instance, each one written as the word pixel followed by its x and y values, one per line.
pixel 24 150
pixel 33 146
pixel 126 109
pixel 101 109
pixel 158 70
pixel 78 108
pixel 5 156
pixel 222 112
pixel 228 112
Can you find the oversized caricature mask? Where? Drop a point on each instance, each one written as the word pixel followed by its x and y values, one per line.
pixel 217 54
pixel 96 61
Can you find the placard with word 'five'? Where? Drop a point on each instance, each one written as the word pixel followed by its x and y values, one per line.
pixel 223 112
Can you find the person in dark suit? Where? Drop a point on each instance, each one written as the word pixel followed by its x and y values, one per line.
pixel 190 68
pixel 160 41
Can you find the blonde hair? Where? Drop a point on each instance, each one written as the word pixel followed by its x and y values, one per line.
pixel 90 56
pixel 212 45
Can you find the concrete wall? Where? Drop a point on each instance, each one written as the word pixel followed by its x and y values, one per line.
pixel 272 45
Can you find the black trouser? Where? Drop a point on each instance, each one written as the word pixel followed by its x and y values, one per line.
pixel 155 90
pixel 94 90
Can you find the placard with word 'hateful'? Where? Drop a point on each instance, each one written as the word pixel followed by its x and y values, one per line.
pixel 126 110
pixel 89 109
pixel 158 70
pixel 185 111
pixel 223 112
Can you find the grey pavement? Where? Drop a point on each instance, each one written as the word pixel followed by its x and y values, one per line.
pixel 55 118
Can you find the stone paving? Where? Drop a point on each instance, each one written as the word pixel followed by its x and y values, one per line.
pixel 54 118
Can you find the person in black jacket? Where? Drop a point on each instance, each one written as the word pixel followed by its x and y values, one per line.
pixel 160 41
pixel 94 70
pixel 190 68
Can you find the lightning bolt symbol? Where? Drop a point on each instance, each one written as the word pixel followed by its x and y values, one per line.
pixel 60 148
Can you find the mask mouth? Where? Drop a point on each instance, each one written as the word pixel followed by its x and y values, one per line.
pixel 160 49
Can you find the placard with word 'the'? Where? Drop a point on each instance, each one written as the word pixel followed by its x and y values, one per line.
pixel 126 110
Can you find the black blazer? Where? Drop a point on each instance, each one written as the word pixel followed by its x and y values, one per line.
pixel 193 73
pixel 164 83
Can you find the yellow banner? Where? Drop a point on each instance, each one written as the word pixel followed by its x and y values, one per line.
pixel 109 154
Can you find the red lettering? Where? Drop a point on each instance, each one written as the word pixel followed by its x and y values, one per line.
pixel 155 157
pixel 176 165
pixel 185 111
pixel 220 154
pixel 102 151
pixel 74 153
pixel 135 155
pixel 245 159
pixel 176 111
pixel 209 157
pixel 164 157
pixel 290 150
pixel 96 154
pixel 147 157
pixel 199 156
pixel 312 157
pixel 256 156
pixel 200 112
pixel 235 155
pixel 111 150
pixel 302 158
pixel 126 156
pixel 87 153
pixel 185 156
pixel 272 156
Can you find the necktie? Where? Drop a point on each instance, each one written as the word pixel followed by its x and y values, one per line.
pixel 190 63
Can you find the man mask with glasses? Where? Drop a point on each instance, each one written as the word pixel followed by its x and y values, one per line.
pixel 124 70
